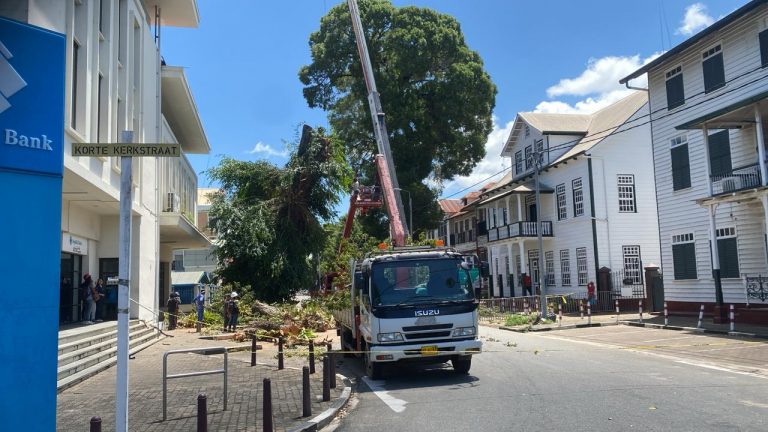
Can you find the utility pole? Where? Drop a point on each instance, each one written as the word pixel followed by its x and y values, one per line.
pixel 124 285
pixel 537 163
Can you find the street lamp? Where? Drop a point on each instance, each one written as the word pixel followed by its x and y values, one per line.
pixel 410 212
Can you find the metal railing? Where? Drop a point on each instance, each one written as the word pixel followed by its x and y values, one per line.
pixel 500 308
pixel 520 229
pixel 205 351
pixel 737 179
pixel 756 287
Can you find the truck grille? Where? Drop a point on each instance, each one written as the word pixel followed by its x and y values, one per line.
pixel 427 335
pixel 427 327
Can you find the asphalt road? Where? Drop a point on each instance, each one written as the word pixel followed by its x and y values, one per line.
pixel 598 379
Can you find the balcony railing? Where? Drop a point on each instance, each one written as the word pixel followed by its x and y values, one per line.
pixel 738 179
pixel 520 229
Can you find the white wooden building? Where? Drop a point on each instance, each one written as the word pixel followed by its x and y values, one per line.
pixel 597 201
pixel 708 99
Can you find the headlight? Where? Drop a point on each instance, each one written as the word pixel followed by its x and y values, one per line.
pixel 464 331
pixel 390 337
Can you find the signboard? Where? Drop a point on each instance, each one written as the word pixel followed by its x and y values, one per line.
pixel 74 244
pixel 126 150
pixel 31 124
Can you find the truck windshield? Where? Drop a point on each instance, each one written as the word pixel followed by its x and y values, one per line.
pixel 420 281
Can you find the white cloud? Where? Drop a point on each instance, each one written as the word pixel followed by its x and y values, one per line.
pixel 266 149
pixel 696 18
pixel 490 165
pixel 599 81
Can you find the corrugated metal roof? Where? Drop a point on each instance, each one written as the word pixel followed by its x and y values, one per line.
pixel 189 278
pixel 450 206
pixel 549 123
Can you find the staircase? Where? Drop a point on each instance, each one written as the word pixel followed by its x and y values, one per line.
pixel 86 351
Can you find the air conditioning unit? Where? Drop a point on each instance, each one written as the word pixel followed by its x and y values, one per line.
pixel 172 203
pixel 730 184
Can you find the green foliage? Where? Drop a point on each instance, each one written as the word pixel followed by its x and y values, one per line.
pixel 268 219
pixel 434 89
pixel 356 246
pixel 519 319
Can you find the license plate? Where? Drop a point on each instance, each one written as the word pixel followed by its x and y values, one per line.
pixel 429 350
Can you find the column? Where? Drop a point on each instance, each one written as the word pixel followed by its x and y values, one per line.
pixel 519 210
pixel 705 131
pixel 764 200
pixel 761 145
pixel 512 284
pixel 719 307
pixel 492 263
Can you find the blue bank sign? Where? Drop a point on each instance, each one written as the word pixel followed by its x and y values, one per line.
pixel 31 78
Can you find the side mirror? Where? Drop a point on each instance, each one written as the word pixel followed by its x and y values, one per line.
pixel 485 269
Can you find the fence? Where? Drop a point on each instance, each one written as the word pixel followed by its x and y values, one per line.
pixel 500 308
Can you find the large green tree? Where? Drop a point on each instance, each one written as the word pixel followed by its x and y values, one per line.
pixel 269 219
pixel 436 94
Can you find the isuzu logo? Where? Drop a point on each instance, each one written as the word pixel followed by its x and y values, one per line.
pixel 427 312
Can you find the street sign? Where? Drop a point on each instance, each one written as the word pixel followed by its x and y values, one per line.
pixel 126 149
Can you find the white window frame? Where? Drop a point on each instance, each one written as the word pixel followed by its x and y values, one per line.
pixel 709 51
pixel 578 199
pixel 562 204
pixel 632 261
pixel 627 195
pixel 549 265
pixel 582 266
pixel 565 267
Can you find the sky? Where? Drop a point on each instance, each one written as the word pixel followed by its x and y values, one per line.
pixel 242 64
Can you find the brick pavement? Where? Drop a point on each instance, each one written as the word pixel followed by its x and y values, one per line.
pixel 96 395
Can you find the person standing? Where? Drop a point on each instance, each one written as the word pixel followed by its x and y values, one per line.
pixel 199 302
pixel 173 310
pixel 90 303
pixel 100 297
pixel 234 312
pixel 225 310
pixel 591 298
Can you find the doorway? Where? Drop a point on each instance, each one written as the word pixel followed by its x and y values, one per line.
pixel 69 298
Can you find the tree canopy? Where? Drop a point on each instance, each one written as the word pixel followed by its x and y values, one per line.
pixel 435 91
pixel 269 219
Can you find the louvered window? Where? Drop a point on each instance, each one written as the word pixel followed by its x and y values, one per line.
pixel 684 256
pixel 720 154
pixel 681 170
pixel 728 251
pixel 714 70
pixel 675 91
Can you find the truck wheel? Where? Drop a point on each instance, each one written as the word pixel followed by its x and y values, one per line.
pixel 372 369
pixel 462 364
pixel 347 343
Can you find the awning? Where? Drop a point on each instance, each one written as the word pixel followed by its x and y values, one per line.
pixel 178 233
pixel 525 188
pixel 734 116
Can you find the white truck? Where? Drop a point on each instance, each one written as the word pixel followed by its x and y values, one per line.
pixel 412 304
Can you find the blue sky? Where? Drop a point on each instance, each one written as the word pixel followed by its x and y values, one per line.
pixel 547 55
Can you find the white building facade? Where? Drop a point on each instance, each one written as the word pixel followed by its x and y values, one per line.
pixel 116 80
pixel 709 104
pixel 597 206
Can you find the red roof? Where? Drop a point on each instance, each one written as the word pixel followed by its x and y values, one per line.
pixel 450 206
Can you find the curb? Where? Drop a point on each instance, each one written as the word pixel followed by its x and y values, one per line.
pixel 695 329
pixel 324 418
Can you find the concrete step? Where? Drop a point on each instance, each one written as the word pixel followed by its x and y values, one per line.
pixel 88 339
pixel 78 377
pixel 92 346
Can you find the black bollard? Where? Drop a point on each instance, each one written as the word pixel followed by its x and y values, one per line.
pixel 280 364
pixel 332 372
pixel 306 401
pixel 326 379
pixel 202 413
pixel 96 424
pixel 311 357
pixel 267 406
pixel 253 351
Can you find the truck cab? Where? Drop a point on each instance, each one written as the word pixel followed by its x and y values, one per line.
pixel 413 305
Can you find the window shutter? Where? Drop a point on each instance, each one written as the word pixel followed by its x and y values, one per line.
pixel 764 47
pixel 675 92
pixel 720 154
pixel 681 173
pixel 714 73
pixel 729 257
pixel 684 258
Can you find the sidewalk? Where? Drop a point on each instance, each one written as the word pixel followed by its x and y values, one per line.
pixel 689 323
pixel 96 396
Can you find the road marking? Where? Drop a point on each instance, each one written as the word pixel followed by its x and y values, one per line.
pixel 753 404
pixel 721 369
pixel 674 338
pixel 377 387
